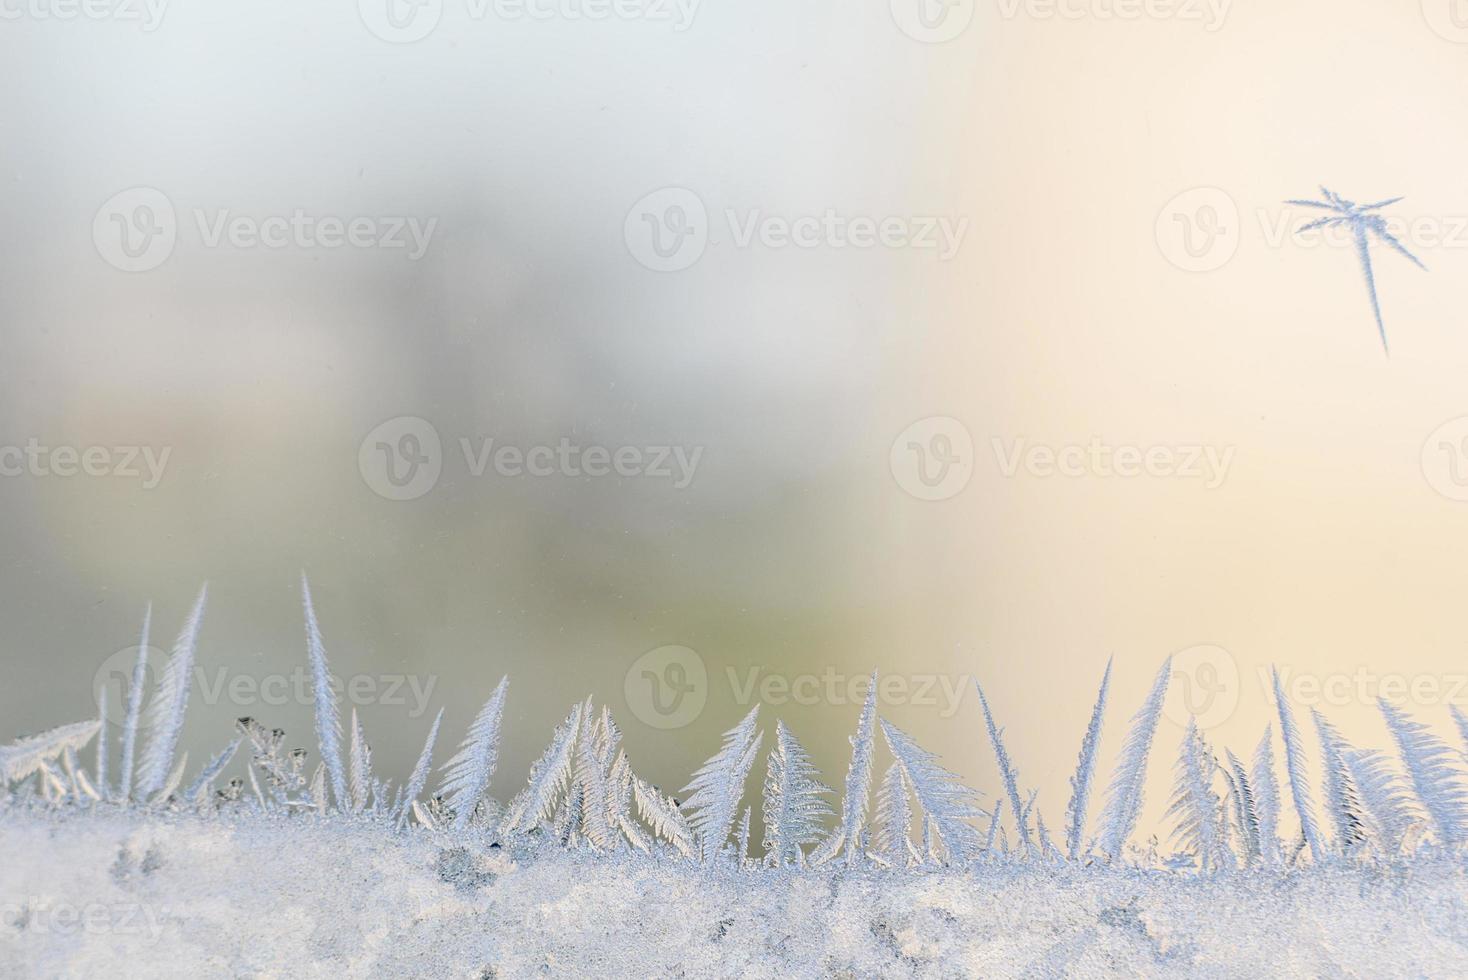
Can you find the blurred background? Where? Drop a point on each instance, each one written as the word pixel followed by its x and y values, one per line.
pixel 210 281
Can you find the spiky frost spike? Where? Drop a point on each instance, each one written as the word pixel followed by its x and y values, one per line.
pixel 619 803
pixel 1342 802
pixel 945 801
pixel 1194 803
pixel 419 777
pixel 102 788
pixel 173 782
pixel 25 756
pixel 471 769
pixel 536 801
pixel 198 791
pixel 1246 810
pixel 328 719
pixel 359 774
pixel 894 819
pixel 1047 846
pixel 591 778
pixel 134 710
pixel 716 788
pixel 793 803
pixel 744 836
pixel 1435 778
pixel 662 815
pixel 1080 783
pixel 1006 770
pixel 1385 800
pixel 1460 722
pixel 166 713
pixel 858 778
pixel 1295 768
pixel 1266 799
pixel 1124 795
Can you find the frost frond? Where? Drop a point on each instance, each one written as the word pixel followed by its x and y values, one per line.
pixel 26 756
pixel 945 801
pixel 1295 768
pixel 170 703
pixel 1195 806
pixel 717 786
pixel 1342 802
pixel 1265 788
pixel 359 772
pixel 793 805
pixel 201 788
pixel 1124 795
pixel 1435 778
pixel 1006 769
pixel 134 710
pixel 1080 783
pixel 471 769
pixel 548 775
pixel 419 776
pixel 328 719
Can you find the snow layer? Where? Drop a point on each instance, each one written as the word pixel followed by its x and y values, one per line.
pixel 115 893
